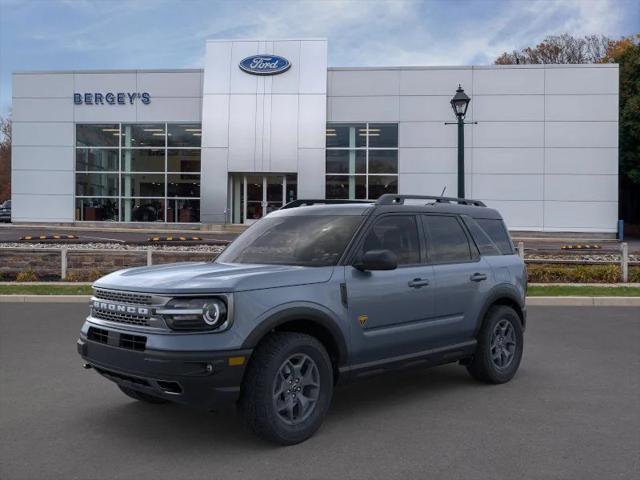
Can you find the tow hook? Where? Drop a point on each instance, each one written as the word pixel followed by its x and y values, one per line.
pixel 87 366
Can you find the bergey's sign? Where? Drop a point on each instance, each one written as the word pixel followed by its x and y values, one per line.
pixel 265 64
pixel 110 98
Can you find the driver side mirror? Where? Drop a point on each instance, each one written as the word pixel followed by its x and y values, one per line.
pixel 377 260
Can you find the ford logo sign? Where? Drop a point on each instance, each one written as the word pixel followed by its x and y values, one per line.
pixel 265 64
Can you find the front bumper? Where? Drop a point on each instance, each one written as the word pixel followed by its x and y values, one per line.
pixel 198 379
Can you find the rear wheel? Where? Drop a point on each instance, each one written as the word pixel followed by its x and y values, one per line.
pixel 500 345
pixel 142 397
pixel 287 388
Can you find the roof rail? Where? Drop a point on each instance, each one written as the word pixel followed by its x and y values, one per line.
pixel 302 202
pixel 392 199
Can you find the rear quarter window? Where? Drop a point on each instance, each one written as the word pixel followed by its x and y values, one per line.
pixel 497 232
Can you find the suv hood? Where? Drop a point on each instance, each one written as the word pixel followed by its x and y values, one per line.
pixel 208 277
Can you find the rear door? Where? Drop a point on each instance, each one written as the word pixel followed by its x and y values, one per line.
pixel 389 310
pixel 461 277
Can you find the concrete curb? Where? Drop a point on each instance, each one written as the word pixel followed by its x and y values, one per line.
pixel 531 301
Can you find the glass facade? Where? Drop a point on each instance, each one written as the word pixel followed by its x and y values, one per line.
pixel 361 160
pixel 138 172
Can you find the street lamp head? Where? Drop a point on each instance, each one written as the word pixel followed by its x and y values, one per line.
pixel 460 102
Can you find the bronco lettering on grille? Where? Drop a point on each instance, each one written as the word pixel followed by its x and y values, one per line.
pixel 114 307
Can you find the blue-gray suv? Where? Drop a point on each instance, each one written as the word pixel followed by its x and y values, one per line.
pixel 309 297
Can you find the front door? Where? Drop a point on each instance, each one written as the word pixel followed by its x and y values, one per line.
pixel 252 196
pixel 390 312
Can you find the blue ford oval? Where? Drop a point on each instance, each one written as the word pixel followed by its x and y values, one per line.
pixel 265 64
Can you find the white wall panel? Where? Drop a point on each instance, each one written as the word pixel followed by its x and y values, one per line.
pixel 581 216
pixel 427 183
pixel 42 85
pixel 431 81
pixel 242 133
pixel 508 187
pixel 516 108
pixel 42 158
pixel 42 208
pixel 597 188
pixel 170 84
pixel 581 134
pixel 214 185
pixel 313 67
pixel 373 109
pixel 506 134
pixel 428 108
pixel 431 134
pixel 42 110
pixel 42 134
pixel 581 108
pixel 284 133
pixel 311 173
pixel 42 182
pixel 519 215
pixel 508 81
pixel 364 82
pixel 582 160
pixel 171 110
pixel 217 80
pixel 215 121
pixel 106 82
pixel 594 79
pixel 311 121
pixel 431 160
pixel 105 113
pixel 508 160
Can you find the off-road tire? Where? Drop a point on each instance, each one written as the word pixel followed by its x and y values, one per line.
pixel 256 401
pixel 482 366
pixel 140 396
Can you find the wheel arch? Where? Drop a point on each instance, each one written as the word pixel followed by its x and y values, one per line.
pixel 506 295
pixel 307 320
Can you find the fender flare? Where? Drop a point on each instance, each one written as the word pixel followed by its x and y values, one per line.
pixel 499 292
pixel 311 314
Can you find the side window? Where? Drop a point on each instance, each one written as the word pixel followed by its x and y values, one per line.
pixel 398 233
pixel 484 243
pixel 498 233
pixel 447 240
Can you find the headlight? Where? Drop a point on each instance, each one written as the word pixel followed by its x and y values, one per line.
pixel 195 314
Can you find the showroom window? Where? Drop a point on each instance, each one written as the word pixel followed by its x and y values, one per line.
pixel 138 172
pixel 361 160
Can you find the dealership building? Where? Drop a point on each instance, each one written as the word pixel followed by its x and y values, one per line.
pixel 266 122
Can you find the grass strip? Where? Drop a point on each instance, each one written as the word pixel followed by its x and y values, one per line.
pixel 52 289
pixel 582 291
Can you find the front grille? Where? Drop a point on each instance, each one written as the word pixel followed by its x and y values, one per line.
pixel 128 318
pixel 133 342
pixel 123 297
pixel 98 335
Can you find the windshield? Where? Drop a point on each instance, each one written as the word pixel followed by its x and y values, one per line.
pixel 312 241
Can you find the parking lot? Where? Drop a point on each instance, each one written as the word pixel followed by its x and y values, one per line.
pixel 573 411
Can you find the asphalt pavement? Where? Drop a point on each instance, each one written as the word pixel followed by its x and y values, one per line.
pixel 572 412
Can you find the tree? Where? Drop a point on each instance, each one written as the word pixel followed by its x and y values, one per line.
pixel 599 49
pixel 563 48
pixel 5 159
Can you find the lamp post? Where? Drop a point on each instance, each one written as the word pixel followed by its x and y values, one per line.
pixel 460 103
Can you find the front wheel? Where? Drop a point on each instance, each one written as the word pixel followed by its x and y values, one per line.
pixel 500 345
pixel 287 388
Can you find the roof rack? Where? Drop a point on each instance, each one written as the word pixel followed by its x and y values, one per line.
pixel 392 199
pixel 320 201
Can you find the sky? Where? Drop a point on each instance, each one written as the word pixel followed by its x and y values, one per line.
pixel 117 34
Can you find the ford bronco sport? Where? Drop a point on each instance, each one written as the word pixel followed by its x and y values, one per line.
pixel 309 297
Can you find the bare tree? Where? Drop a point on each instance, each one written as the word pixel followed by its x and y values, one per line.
pixel 5 158
pixel 563 48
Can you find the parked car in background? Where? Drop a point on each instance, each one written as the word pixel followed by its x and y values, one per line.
pixel 5 211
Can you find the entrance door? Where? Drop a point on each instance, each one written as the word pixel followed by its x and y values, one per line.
pixel 252 196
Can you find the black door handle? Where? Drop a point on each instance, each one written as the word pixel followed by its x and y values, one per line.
pixel 418 282
pixel 478 277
